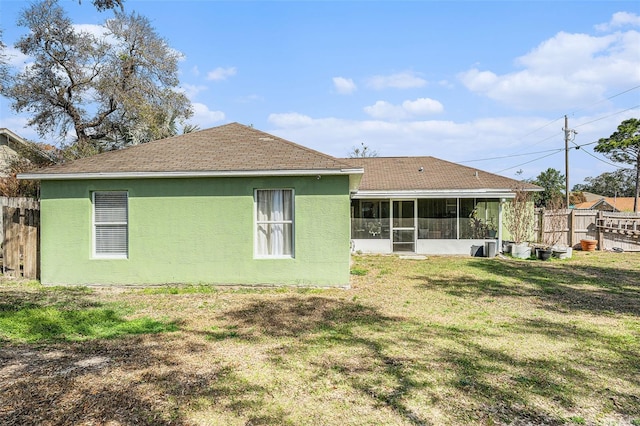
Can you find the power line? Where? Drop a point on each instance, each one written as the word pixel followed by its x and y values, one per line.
pixel 540 128
pixel 512 156
pixel 607 116
pixel 557 150
pixel 579 109
pixel 607 99
pixel 600 159
pixel 531 161
pixel 528 153
pixel 576 146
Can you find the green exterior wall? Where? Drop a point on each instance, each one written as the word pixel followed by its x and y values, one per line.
pixel 196 230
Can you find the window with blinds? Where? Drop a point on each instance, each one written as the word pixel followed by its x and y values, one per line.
pixel 110 224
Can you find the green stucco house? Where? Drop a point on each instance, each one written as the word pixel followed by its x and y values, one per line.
pixel 227 205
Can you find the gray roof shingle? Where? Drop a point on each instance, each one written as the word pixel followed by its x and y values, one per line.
pixel 226 148
pixel 403 174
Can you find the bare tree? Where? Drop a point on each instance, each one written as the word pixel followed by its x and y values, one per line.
pixel 363 151
pixel 110 90
pixel 4 65
pixel 554 221
pixel 519 216
pixel 107 4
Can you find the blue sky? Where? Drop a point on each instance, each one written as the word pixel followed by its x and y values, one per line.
pixel 459 80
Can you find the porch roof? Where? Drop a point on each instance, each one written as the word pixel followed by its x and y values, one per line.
pixel 423 175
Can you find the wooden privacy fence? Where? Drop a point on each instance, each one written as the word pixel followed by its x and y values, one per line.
pixel 21 237
pixel 568 227
pixel 619 230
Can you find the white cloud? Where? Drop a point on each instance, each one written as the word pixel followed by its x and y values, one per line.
pixel 344 86
pixel 402 80
pixel 204 117
pixel 16 58
pixel 290 119
pixel 385 110
pixel 620 19
pixel 423 106
pixel 566 71
pixel 192 90
pixel 483 138
pixel 98 31
pixel 440 138
pixel 408 109
pixel 220 73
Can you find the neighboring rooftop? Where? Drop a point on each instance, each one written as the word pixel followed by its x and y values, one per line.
pixel 590 196
pixel 228 148
pixel 613 204
pixel 429 173
pixel 13 146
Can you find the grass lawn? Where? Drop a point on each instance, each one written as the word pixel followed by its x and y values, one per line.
pixel 441 341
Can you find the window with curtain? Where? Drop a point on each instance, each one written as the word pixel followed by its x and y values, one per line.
pixel 111 223
pixel 274 223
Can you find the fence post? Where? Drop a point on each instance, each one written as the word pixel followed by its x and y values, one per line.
pixel 600 231
pixel 30 249
pixel 572 225
pixel 541 225
pixel 21 245
pixel 11 245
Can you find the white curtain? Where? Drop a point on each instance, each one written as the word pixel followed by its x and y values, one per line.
pixel 274 222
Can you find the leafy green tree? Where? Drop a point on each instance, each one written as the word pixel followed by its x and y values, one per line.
pixel 623 146
pixel 553 183
pixel 109 91
pixel 620 183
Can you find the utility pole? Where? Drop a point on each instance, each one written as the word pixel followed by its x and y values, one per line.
pixel 567 135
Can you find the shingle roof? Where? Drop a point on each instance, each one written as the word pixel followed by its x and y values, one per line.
pixel 621 204
pixel 403 174
pixel 230 147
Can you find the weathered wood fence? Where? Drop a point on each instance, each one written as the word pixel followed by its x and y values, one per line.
pixel 20 237
pixel 568 227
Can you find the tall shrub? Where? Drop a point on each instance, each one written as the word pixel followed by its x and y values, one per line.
pixel 519 216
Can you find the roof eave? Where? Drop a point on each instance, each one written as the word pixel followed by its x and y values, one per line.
pixel 187 174
pixel 436 193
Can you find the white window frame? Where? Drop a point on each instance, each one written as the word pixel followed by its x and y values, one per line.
pixel 95 225
pixel 257 223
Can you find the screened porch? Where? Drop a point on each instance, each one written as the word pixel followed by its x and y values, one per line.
pixel 424 225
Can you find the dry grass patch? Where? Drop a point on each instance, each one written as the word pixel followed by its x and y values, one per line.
pixel 446 340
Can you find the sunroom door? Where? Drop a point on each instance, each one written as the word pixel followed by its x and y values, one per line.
pixel 403 225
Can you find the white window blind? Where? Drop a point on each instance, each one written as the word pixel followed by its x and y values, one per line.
pixel 110 219
pixel 274 223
